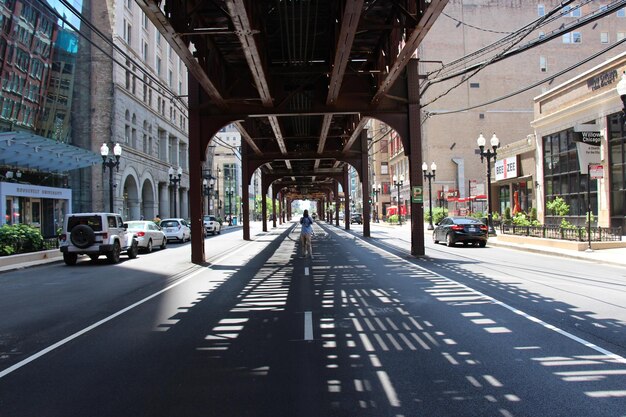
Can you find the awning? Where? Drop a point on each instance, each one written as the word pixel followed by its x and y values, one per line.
pixel 29 151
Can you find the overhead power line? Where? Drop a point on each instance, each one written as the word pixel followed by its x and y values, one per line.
pixel 538 83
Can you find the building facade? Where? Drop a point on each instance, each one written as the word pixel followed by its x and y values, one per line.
pixel 134 95
pixel 456 110
pixel 580 124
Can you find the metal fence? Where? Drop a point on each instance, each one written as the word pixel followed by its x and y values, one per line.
pixel 598 234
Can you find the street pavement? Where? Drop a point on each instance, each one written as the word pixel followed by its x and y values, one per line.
pixel 615 256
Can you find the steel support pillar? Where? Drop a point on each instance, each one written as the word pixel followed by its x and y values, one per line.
pixel 415 159
pixel 365 183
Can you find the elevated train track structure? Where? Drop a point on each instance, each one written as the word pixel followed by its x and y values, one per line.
pixel 299 79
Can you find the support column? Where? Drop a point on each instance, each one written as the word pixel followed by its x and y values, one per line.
pixel 274 195
pixel 196 159
pixel 365 184
pixel 346 198
pixel 245 190
pixel 337 203
pixel 415 158
pixel 264 188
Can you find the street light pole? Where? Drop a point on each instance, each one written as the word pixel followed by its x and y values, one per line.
pixel 376 191
pixel 489 154
pixel 110 162
pixel 207 185
pixel 398 184
pixel 430 176
pixel 174 181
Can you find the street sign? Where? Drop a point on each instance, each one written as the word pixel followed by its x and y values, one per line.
pixel 417 195
pixel 596 172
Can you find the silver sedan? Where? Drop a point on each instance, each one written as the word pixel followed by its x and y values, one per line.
pixel 148 234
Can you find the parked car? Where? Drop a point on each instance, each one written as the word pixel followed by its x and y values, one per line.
pixel 356 218
pixel 148 234
pixel 461 229
pixel 212 225
pixel 96 234
pixel 176 229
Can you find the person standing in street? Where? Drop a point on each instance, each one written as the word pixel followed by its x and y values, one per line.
pixel 306 233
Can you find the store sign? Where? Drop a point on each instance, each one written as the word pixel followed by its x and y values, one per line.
pixel 587 155
pixel 602 80
pixel 506 168
pixel 35 191
pixel 588 134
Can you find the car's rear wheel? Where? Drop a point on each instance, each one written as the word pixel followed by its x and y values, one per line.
pixel 114 255
pixel 133 250
pixel 482 244
pixel 164 243
pixel 450 240
pixel 149 246
pixel 70 258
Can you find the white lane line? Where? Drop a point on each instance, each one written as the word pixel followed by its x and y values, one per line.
pixel 87 329
pixel 308 325
pixel 533 319
pixel 306 271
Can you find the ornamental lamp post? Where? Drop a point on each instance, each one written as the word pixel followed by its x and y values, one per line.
pixel 207 186
pixel 174 181
pixel 376 191
pixel 621 91
pixel 430 176
pixel 110 162
pixel 398 184
pixel 489 154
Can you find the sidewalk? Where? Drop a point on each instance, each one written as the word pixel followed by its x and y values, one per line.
pixel 615 257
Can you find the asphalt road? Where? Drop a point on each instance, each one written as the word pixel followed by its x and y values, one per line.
pixel 360 330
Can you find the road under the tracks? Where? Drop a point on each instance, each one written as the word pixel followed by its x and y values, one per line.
pixel 362 329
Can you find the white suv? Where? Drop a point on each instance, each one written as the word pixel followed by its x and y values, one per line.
pixel 96 234
pixel 212 225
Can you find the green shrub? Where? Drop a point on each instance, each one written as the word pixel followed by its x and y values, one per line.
pixel 19 238
pixel 532 215
pixel 558 207
pixel 438 214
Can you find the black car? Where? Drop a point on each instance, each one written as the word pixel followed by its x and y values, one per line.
pixel 356 218
pixel 461 229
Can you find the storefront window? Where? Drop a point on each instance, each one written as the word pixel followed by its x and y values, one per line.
pixel 563 178
pixel 617 144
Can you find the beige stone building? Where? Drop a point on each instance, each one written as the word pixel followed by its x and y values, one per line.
pixel 455 111
pixel 134 95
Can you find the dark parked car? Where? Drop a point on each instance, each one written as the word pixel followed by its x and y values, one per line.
pixel 461 229
pixel 356 218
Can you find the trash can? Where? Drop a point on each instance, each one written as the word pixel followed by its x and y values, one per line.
pixel 234 220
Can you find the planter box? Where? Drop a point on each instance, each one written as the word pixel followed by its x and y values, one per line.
pixel 557 243
pixel 28 259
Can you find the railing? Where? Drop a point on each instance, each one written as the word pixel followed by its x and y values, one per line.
pixel 598 234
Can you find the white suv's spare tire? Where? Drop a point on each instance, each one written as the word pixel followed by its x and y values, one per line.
pixel 82 236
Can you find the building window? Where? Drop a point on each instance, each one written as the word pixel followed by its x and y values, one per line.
pixel 620 36
pixel 474 85
pixel 145 20
pixel 543 64
pixel 572 37
pixel 384 168
pixel 572 12
pixel 144 51
pixel 604 37
pixel 541 10
pixel 621 12
pixel 127 32
pixel 158 65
